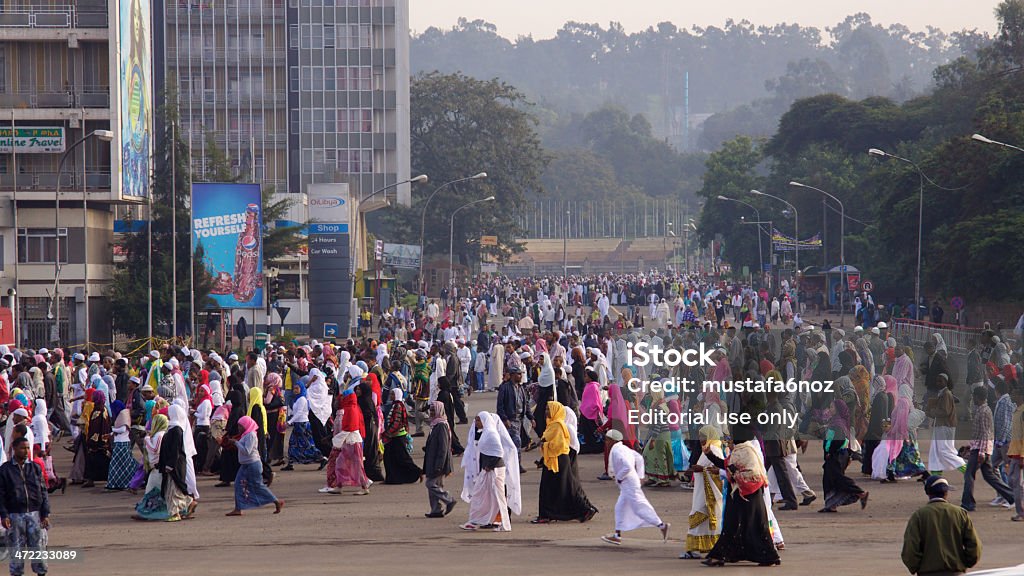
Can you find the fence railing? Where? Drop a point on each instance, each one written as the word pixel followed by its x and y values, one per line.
pixel 957 338
pixel 51 17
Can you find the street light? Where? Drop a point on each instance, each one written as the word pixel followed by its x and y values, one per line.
pixel 421 179
pixel 757 214
pixel 796 240
pixel 451 240
pixel 842 246
pixel 565 246
pixel 985 140
pixel 423 216
pixel 920 224
pixel 106 136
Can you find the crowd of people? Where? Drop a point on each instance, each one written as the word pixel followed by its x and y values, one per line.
pixel 550 356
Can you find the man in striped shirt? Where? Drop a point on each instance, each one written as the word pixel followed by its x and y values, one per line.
pixel 981 452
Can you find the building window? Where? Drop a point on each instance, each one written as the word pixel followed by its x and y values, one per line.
pixel 39 245
pixel 352 121
pixel 354 78
pixel 355 161
pixel 293 78
pixel 329 37
pixel 293 36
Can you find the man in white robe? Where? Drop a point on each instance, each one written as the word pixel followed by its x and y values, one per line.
pixel 632 510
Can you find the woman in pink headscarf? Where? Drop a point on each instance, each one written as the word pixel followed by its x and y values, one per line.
pixel 592 416
pixel 904 458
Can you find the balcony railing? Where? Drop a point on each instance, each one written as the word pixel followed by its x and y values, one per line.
pixel 52 17
pixel 84 97
pixel 93 180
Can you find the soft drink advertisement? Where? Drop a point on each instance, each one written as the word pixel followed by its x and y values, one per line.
pixel 227 221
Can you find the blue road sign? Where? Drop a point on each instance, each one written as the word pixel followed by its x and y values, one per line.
pixel 330 329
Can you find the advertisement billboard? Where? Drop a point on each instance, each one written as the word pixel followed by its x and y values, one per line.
pixel 330 260
pixel 402 255
pixel 34 139
pixel 227 222
pixel 132 92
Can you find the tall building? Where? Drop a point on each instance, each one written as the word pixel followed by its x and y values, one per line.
pixel 61 80
pixel 295 92
pixel 348 94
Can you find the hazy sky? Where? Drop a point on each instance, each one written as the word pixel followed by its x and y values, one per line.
pixel 542 18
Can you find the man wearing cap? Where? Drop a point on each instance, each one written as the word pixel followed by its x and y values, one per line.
pixel 632 510
pixel 940 537
pixel 513 405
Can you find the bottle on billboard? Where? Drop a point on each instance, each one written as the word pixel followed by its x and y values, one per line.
pixel 247 256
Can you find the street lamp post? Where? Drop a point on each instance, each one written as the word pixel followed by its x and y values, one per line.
pixel 842 247
pixel 920 224
pixel 690 224
pixel 451 240
pixel 984 140
pixel 565 248
pixel 796 240
pixel 757 214
pixel 421 179
pixel 423 216
pixel 106 136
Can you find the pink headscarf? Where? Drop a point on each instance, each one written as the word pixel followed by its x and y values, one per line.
pixel 590 406
pixel 892 386
pixel 722 371
pixel 618 412
pixel 898 432
pixel 246 425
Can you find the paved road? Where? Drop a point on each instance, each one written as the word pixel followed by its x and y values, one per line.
pixel 349 534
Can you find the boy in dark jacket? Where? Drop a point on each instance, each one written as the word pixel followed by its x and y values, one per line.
pixel 437 462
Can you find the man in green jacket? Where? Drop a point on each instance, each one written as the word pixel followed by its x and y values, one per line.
pixel 940 538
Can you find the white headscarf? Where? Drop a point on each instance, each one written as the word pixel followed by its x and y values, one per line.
pixel 176 417
pixel 318 395
pixel 40 427
pixel 9 432
pixel 494 441
pixel 547 373
pixel 572 423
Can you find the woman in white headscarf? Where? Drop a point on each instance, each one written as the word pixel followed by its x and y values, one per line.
pixel 489 491
pixel 41 432
pixel 319 398
pixel 176 416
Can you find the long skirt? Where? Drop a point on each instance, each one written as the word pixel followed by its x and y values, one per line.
pixel 840 489
pixel 591 441
pixel 399 467
pixel 488 503
pixel 228 464
pixel 908 463
pixel 97 464
pixel 77 473
pixel 705 512
pixel 275 439
pixel 177 501
pixel 371 453
pixel 250 491
pixel 745 533
pixel 659 461
pixel 680 455
pixel 347 467
pixel 301 449
pixel 321 436
pixel 122 466
pixel 942 455
pixel 561 494
pixel 152 505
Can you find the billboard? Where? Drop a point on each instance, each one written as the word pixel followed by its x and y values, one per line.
pixel 330 260
pixel 133 96
pixel 402 255
pixel 33 139
pixel 227 222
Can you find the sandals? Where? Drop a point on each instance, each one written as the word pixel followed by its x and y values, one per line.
pixel 690 556
pixel 611 539
pixel 713 563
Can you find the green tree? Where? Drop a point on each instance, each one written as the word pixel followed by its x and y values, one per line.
pixel 732 172
pixel 129 290
pixel 462 126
